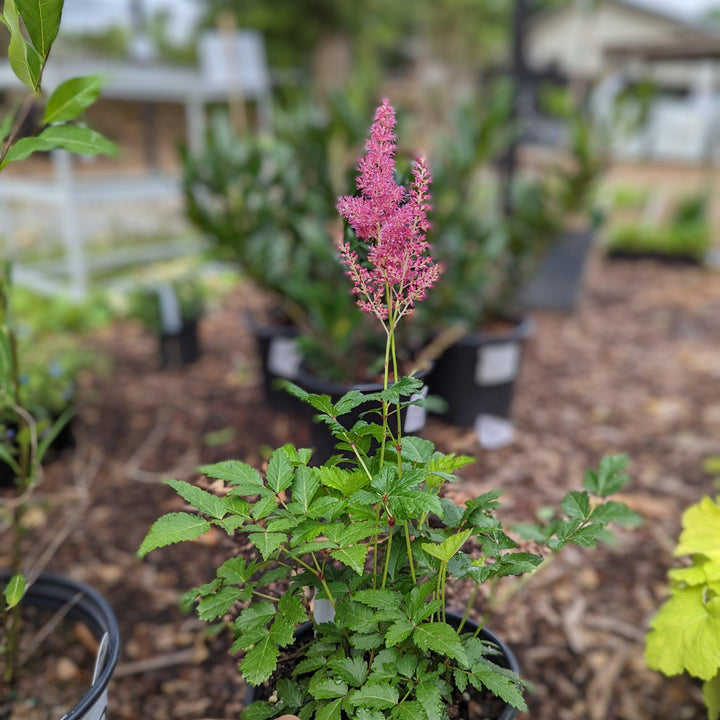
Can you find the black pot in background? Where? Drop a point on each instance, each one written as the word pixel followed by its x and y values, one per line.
pixel 558 280
pixel 181 348
pixel 476 376
pixel 323 441
pixel 505 659
pixel 52 592
pixel 279 360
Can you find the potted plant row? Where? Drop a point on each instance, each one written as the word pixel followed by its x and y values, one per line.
pixel 33 26
pixel 171 310
pixel 341 609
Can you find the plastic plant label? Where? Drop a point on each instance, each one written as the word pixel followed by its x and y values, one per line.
pixel 323 611
pixel 415 415
pixel 497 364
pixel 494 432
pixel 170 315
pixel 283 357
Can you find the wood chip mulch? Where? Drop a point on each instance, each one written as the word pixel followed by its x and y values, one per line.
pixel 635 369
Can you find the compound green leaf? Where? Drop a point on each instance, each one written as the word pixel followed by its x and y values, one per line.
pixel 440 638
pixel 260 661
pixel 173 528
pixel 205 502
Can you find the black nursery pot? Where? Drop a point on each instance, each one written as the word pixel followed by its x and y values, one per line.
pixel 557 283
pixel 181 348
pixel 504 659
pixel 476 376
pixel 52 592
pixel 323 441
pixel 279 360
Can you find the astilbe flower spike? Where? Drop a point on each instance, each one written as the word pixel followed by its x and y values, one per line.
pixel 393 223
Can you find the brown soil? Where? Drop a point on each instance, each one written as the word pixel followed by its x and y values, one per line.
pixel 636 369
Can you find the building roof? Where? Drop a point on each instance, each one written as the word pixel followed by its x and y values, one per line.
pixel 683 22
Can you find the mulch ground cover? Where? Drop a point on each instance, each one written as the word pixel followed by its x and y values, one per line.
pixel 636 369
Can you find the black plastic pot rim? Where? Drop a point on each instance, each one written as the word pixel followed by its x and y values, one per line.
pixel 508 713
pixel 53 592
pixel 522 329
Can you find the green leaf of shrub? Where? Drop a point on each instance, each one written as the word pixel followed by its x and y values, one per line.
pixel 280 471
pixel 72 97
pixel 325 688
pixel 234 472
pixel 42 20
pixel 79 140
pixel 267 543
pixel 217 605
pixel 377 696
pixel 260 662
pixel 205 502
pixel 173 528
pixel 14 590
pixel 440 638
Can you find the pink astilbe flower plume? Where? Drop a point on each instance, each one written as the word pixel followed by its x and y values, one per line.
pixel 392 223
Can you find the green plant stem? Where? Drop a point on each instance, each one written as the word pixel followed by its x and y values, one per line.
pixel 409 552
pixel 387 558
pixel 468 607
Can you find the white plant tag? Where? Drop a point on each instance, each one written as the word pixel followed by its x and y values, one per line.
pixel 415 415
pixel 283 357
pixel 494 432
pixel 323 611
pixel 170 315
pixel 497 364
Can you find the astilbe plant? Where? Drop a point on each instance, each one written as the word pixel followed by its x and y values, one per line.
pixel 374 538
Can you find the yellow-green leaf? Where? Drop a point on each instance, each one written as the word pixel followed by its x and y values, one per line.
pixel 701 530
pixel 685 634
pixel 14 590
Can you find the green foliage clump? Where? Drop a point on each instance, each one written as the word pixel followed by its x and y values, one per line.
pixel 687 235
pixel 379 542
pixel 685 634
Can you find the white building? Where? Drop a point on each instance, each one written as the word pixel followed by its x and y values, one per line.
pixel 607 46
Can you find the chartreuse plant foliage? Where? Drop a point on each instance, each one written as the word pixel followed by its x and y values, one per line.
pixel 374 538
pixel 685 634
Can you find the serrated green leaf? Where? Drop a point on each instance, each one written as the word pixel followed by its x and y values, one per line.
pixel 280 471
pixel 205 502
pixel 620 513
pixel 415 449
pixel 330 711
pixel 428 695
pixel 289 693
pixel 376 696
pixel 237 506
pixel 235 571
pixel 173 528
pixel 483 675
pixel 378 599
pixel 325 688
pixel 260 662
pixel 259 710
pixel 440 638
pixel 408 710
pixel 267 543
pixel 217 605
pixel 14 590
pixel 353 557
pixel 305 486
pixel 576 504
pixel 291 608
pixel 366 641
pixel 234 472
pixel 72 97
pixel 366 714
pixel 281 631
pixel 352 670
pixel 42 20
pixel 398 631
pixel 609 476
pixel 448 547
pixel 309 665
